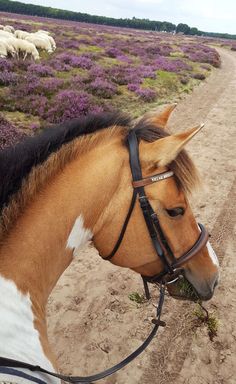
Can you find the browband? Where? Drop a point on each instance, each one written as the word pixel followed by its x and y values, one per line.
pixel 152 179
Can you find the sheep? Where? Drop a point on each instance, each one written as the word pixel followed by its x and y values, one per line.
pixel 40 42
pixel 21 34
pixel 1 26
pixel 24 47
pixel 3 49
pixel 5 34
pixel 11 45
pixel 9 28
pixel 47 37
pixel 42 31
pixel 10 48
pixel 53 43
pixel 6 48
pixel 27 48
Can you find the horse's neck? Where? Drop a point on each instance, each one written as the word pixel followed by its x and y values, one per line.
pixel 40 246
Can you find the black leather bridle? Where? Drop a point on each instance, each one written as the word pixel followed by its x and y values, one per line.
pixel 171 265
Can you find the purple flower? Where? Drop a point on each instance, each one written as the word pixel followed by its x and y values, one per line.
pixel 9 134
pixel 67 105
pixel 123 75
pixel 81 61
pixel 60 66
pixel 76 82
pixel 97 71
pixel 6 65
pixel 41 70
pixel 124 58
pixel 202 54
pixel 146 94
pixel 50 85
pixel 72 44
pixel 102 88
pixel 34 104
pixel 132 87
pixel 8 78
pixel 147 71
pixel 113 52
pixel 27 84
pixel 158 49
pixel 177 65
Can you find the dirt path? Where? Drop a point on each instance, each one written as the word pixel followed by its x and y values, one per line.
pixel 93 324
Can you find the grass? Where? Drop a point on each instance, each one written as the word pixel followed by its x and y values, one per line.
pixel 186 290
pixel 107 62
pixel 22 120
pixel 136 297
pixel 208 319
pixel 202 315
pixel 90 48
pixel 177 54
pixel 68 74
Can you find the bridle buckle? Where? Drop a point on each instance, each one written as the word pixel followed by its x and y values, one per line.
pixel 171 278
pixel 143 202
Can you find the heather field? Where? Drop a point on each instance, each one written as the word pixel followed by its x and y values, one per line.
pixel 96 68
pixel 92 322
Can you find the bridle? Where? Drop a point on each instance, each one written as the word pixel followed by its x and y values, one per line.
pixel 171 265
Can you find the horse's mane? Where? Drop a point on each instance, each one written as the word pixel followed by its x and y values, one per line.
pixel 16 162
pixel 26 167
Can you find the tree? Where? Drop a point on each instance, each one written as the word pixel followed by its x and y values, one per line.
pixel 184 28
pixel 194 31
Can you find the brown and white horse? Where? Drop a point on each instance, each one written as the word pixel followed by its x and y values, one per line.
pixel 72 184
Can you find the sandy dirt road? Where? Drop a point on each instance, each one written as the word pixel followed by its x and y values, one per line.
pixel 92 322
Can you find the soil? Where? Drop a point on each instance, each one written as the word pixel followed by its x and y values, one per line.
pixel 92 322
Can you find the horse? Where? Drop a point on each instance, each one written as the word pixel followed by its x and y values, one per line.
pixel 83 180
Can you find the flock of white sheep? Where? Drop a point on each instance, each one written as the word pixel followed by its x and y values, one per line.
pixel 22 44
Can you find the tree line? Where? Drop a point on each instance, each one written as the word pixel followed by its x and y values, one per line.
pixel 145 24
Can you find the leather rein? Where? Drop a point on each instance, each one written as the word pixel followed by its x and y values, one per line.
pixel 171 265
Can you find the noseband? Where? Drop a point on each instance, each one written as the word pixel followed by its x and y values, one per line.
pixel 171 265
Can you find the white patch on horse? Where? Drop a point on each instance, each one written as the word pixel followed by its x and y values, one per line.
pixel 79 235
pixel 212 254
pixel 19 339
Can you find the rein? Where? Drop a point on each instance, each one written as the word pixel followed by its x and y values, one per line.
pixel 4 362
pixel 171 265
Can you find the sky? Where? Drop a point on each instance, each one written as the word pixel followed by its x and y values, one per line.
pixel 206 15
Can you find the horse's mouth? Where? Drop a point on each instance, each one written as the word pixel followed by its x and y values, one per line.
pixel 182 290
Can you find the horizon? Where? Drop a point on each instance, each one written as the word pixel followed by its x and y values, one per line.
pixel 199 15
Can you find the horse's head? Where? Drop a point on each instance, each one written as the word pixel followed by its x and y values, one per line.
pixel 159 153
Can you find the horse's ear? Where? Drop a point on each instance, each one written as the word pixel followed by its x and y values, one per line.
pixel 161 152
pixel 160 119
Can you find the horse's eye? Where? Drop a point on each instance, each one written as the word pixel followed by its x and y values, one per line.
pixel 175 212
